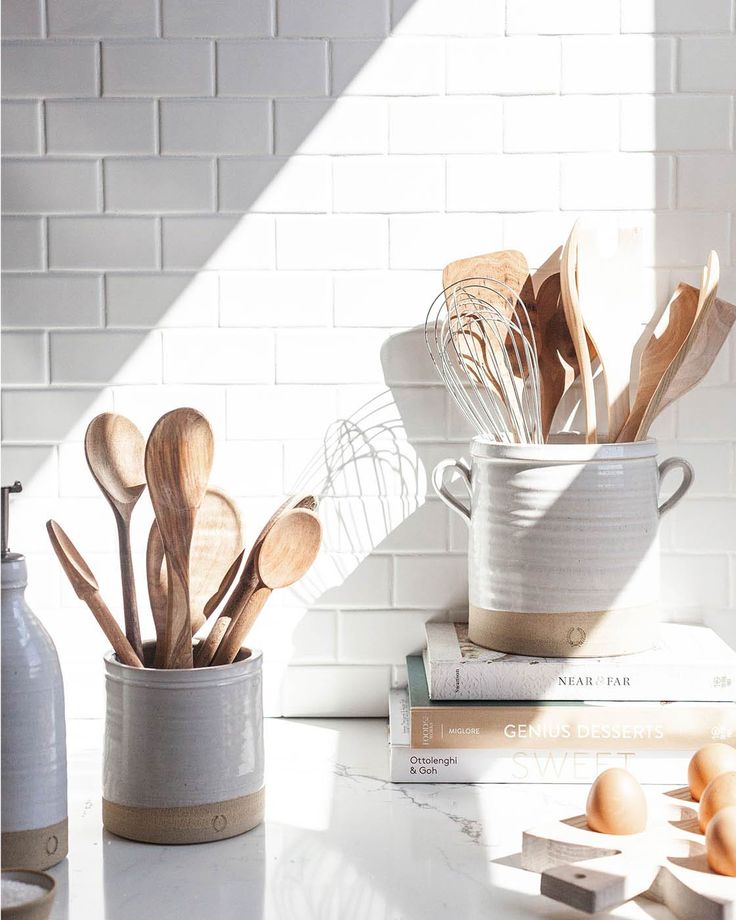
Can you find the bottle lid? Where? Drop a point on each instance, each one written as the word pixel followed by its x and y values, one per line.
pixel 6 555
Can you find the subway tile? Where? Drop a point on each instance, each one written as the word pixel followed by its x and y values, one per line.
pixel 708 65
pixel 22 18
pixel 51 186
pixel 50 415
pixel 503 183
pixel 275 299
pixel 102 18
pixel 88 243
pixel 388 184
pixel 562 17
pixel 381 636
pixel 218 356
pixel 392 67
pixel 226 18
pixel 23 358
pixel 37 467
pixel 681 237
pixel 104 357
pixel 593 64
pixel 332 242
pixel 161 300
pixel 453 124
pixel 159 185
pixel 676 123
pixel 182 68
pixel 336 127
pixel 429 241
pixel 248 468
pixel 663 16
pixel 282 412
pixel 50 69
pixel 433 582
pixel 437 17
pixel 146 404
pixel 275 184
pixel 720 533
pixel 560 123
pixel 715 473
pixel 624 181
pixel 332 18
pixel 51 300
pixel 694 581
pixel 341 691
pixel 388 298
pixel 94 127
pixel 22 132
pixel 23 243
pixel 329 356
pixel 272 68
pixel 218 242
pixel 707 181
pixel 363 582
pixel 708 413
pixel 220 126
pixel 503 66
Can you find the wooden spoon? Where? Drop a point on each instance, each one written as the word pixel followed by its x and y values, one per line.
pixel 86 588
pixel 216 541
pixel 507 266
pixel 247 583
pixel 694 359
pixel 615 303
pixel 659 353
pixel 115 449
pixel 284 556
pixel 179 456
pixel 571 306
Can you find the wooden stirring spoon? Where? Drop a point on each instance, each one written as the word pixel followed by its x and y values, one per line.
pixel 247 583
pixel 659 353
pixel 286 554
pixel 86 588
pixel 179 456
pixel 115 449
pixel 216 541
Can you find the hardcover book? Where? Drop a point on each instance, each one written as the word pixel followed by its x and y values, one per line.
pixel 688 660
pixel 584 725
pixel 517 765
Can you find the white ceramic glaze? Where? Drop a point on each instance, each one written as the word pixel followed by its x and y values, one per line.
pixel 33 726
pixel 183 737
pixel 564 528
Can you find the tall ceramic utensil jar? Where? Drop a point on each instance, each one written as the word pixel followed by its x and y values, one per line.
pixel 563 557
pixel 34 806
pixel 183 754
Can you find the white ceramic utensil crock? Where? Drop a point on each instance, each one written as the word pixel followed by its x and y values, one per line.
pixel 183 757
pixel 563 557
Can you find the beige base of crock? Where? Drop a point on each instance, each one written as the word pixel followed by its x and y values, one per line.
pixel 39 848
pixel 592 634
pixel 187 824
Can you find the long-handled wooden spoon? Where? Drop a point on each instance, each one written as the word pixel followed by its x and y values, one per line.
pixel 694 359
pixel 86 588
pixel 179 456
pixel 216 541
pixel 571 306
pixel 285 555
pixel 659 353
pixel 247 582
pixel 115 448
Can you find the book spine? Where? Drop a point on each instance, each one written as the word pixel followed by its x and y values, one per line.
pixel 456 765
pixel 477 680
pixel 603 728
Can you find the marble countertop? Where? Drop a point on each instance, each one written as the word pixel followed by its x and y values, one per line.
pixel 340 842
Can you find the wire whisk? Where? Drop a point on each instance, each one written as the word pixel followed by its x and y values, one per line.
pixel 480 338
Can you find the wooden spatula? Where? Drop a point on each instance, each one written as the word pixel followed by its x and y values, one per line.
pixel 576 326
pixel 285 555
pixel 247 583
pixel 615 305
pixel 659 353
pixel 508 266
pixel 86 588
pixel 216 541
pixel 694 359
pixel 179 456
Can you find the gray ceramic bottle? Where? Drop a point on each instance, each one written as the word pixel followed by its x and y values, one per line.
pixel 33 760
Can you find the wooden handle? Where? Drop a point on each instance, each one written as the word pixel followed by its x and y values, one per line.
pixel 237 631
pixel 115 636
pixel 178 644
pixel 206 650
pixel 130 603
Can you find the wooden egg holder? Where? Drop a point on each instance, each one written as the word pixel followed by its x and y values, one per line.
pixel 666 863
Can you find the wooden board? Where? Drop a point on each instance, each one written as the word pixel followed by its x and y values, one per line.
pixel 665 863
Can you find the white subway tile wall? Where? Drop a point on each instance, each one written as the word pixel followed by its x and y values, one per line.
pixel 246 207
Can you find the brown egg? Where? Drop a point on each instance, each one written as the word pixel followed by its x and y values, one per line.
pixel 720 841
pixel 616 804
pixel 719 793
pixel 707 763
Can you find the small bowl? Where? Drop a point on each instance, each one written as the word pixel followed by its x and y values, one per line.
pixel 39 908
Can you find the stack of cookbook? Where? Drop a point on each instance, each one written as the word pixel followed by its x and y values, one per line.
pixel 471 715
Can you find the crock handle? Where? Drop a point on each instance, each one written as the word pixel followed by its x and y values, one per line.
pixel 438 481
pixel 687 479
